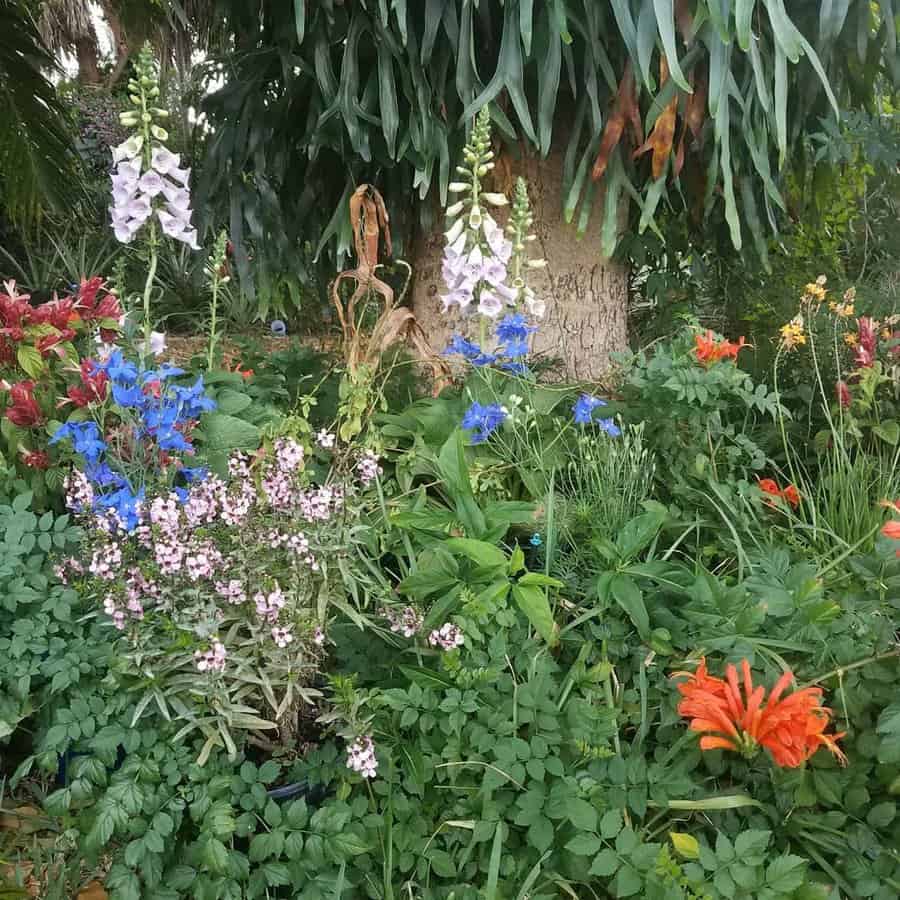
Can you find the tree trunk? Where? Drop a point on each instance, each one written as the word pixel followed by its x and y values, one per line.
pixel 88 67
pixel 120 39
pixel 586 296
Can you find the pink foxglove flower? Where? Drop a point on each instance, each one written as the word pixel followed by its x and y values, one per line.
pixel 164 161
pixel 490 304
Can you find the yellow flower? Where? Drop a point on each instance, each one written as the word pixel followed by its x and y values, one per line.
pixel 792 334
pixel 842 310
pixel 851 340
pixel 886 334
pixel 816 291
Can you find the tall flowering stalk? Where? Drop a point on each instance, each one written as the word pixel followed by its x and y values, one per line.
pixel 478 252
pixel 217 273
pixel 149 186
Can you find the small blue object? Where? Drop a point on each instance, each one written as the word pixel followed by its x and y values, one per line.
pixel 536 540
pixel 278 328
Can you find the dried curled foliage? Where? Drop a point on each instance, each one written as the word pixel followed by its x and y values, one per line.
pixel 370 222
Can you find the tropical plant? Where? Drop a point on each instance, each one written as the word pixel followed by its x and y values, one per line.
pixel 711 100
pixel 38 167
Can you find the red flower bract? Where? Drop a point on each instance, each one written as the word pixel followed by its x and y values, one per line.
pixel 36 459
pixel 24 410
pixel 792 728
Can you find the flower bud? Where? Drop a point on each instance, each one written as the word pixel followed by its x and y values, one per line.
pixel 455 231
pixel 135 100
pixel 454 210
pixel 536 263
pixel 159 133
pixel 160 113
pixel 458 187
pixel 495 199
pixel 128 118
pixel 146 118
pixel 475 217
pixel 463 170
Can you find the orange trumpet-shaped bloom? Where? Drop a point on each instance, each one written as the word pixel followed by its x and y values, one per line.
pixel 892 529
pixel 791 728
pixel 709 349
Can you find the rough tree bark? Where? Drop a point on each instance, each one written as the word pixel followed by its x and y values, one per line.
pixel 88 66
pixel 587 296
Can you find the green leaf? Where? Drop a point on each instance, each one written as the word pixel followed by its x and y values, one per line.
pixel 605 863
pixel 582 814
pixel 743 15
pixel 630 598
pixel 490 891
pixel 231 402
pixel 786 873
pixel 540 833
pixel 665 22
pixel 628 881
pixel 882 814
pixel 215 856
pixel 639 532
pixel 611 823
pixel 224 432
pixel 548 85
pixel 300 19
pixel 751 843
pixel 30 360
pixel 480 552
pixel 889 432
pixel 584 844
pixel 534 603
pixel 387 99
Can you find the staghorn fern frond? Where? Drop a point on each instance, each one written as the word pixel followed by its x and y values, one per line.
pixel 38 168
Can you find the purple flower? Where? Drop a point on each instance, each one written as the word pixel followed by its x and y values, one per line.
pixel 514 327
pixel 483 420
pixel 610 427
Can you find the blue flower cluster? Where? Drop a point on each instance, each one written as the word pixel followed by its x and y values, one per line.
pixel 483 420
pixel 583 411
pixel 512 334
pixel 162 411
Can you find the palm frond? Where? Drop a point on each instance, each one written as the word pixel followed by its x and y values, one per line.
pixel 38 167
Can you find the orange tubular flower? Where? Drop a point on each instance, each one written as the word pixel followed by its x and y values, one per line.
pixel 791 729
pixel 892 529
pixel 792 495
pixel 710 350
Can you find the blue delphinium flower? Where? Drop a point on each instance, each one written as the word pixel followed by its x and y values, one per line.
pixel 125 502
pixel 483 420
pixel 458 344
pixel 584 408
pixel 192 400
pixel 85 438
pixel 513 327
pixel 192 474
pixel 610 427
pixel 536 540
pixel 469 351
pixel 118 368
pixel 515 347
pixel 583 411
pixel 517 368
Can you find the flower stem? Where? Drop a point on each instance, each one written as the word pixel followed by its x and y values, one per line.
pixel 148 290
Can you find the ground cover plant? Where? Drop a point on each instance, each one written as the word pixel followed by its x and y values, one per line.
pixel 412 621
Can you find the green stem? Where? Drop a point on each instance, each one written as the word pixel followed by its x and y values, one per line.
pixel 213 337
pixel 842 670
pixel 148 290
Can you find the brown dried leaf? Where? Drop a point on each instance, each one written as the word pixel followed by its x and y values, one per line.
pixel 625 108
pixel 92 891
pixel 25 819
pixel 684 20
pixel 663 134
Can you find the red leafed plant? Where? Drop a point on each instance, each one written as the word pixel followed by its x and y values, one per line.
pixel 42 376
